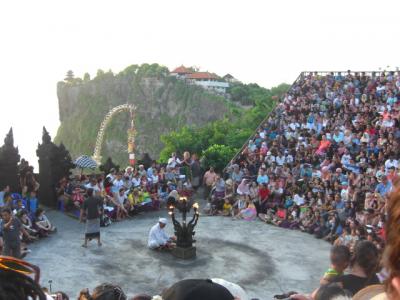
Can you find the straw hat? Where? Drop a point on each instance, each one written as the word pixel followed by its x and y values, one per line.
pixel 372 292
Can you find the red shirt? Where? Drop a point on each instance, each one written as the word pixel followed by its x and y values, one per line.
pixel 263 193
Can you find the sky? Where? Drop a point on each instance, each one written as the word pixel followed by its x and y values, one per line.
pixel 267 42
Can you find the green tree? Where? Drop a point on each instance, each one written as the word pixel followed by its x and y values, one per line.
pixel 99 73
pixel 86 77
pixel 217 156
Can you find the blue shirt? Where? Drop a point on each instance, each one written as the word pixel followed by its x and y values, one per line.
pixel 384 189
pixel 262 179
pixel 339 205
pixel 338 138
pixel 1 198
pixel 150 172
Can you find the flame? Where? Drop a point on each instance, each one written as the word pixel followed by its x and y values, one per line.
pixel 183 199
pixel 196 206
pixel 170 213
pixel 171 207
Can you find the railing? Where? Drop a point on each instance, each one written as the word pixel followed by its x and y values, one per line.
pixel 344 73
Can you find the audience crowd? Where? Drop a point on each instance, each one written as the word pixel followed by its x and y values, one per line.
pixel 21 222
pixel 133 190
pixel 324 162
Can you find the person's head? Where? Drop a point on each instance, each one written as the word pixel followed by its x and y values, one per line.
pixel 93 180
pixel 332 292
pixel 392 250
pixel 16 286
pixel 340 258
pixel 197 289
pixel 108 291
pixel 6 188
pixel 19 203
pixel 39 212
pixel 211 169
pixel 89 192
pixel 6 214
pixel 162 222
pixel 121 191
pixel 366 256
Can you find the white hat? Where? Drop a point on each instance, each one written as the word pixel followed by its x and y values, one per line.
pixel 234 289
pixel 163 220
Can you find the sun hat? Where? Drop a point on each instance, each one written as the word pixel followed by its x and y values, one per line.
pixel 375 292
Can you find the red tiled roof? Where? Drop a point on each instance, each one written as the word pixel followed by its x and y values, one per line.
pixel 182 70
pixel 202 75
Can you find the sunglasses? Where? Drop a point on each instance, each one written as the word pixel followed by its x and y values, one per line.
pixel 20 266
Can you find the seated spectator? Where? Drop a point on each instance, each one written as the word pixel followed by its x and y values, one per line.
pixel 249 213
pixel 43 223
pixel 340 259
pixel 28 225
pixel 363 268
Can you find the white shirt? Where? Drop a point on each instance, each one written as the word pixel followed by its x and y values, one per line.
pixel 157 237
pixel 280 160
pixel 95 187
pixel 121 199
pixel 136 181
pixel 172 161
pixel 298 200
pixel 270 159
pixel 117 184
pixel 391 163
pixel 289 159
pixel 345 159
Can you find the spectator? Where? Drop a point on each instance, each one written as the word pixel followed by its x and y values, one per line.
pixel 208 181
pixel 340 259
pixel 11 229
pixel 42 222
pixel 363 268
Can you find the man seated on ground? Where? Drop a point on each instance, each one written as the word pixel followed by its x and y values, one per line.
pixel 158 239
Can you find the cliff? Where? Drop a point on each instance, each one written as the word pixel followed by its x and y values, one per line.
pixel 164 104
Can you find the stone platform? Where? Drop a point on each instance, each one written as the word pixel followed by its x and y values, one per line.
pixel 263 259
pixel 184 253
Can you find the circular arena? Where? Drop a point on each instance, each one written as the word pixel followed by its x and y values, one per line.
pixel 263 259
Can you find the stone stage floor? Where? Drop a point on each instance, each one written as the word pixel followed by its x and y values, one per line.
pixel 263 259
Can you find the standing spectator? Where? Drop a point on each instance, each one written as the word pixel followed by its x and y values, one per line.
pixel 11 228
pixel 91 209
pixel 209 179
pixel 196 171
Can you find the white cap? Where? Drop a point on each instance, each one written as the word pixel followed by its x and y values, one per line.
pixel 163 220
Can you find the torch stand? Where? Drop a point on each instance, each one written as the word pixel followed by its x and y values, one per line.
pixel 184 232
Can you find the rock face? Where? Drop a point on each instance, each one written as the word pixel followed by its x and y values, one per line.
pixel 163 103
